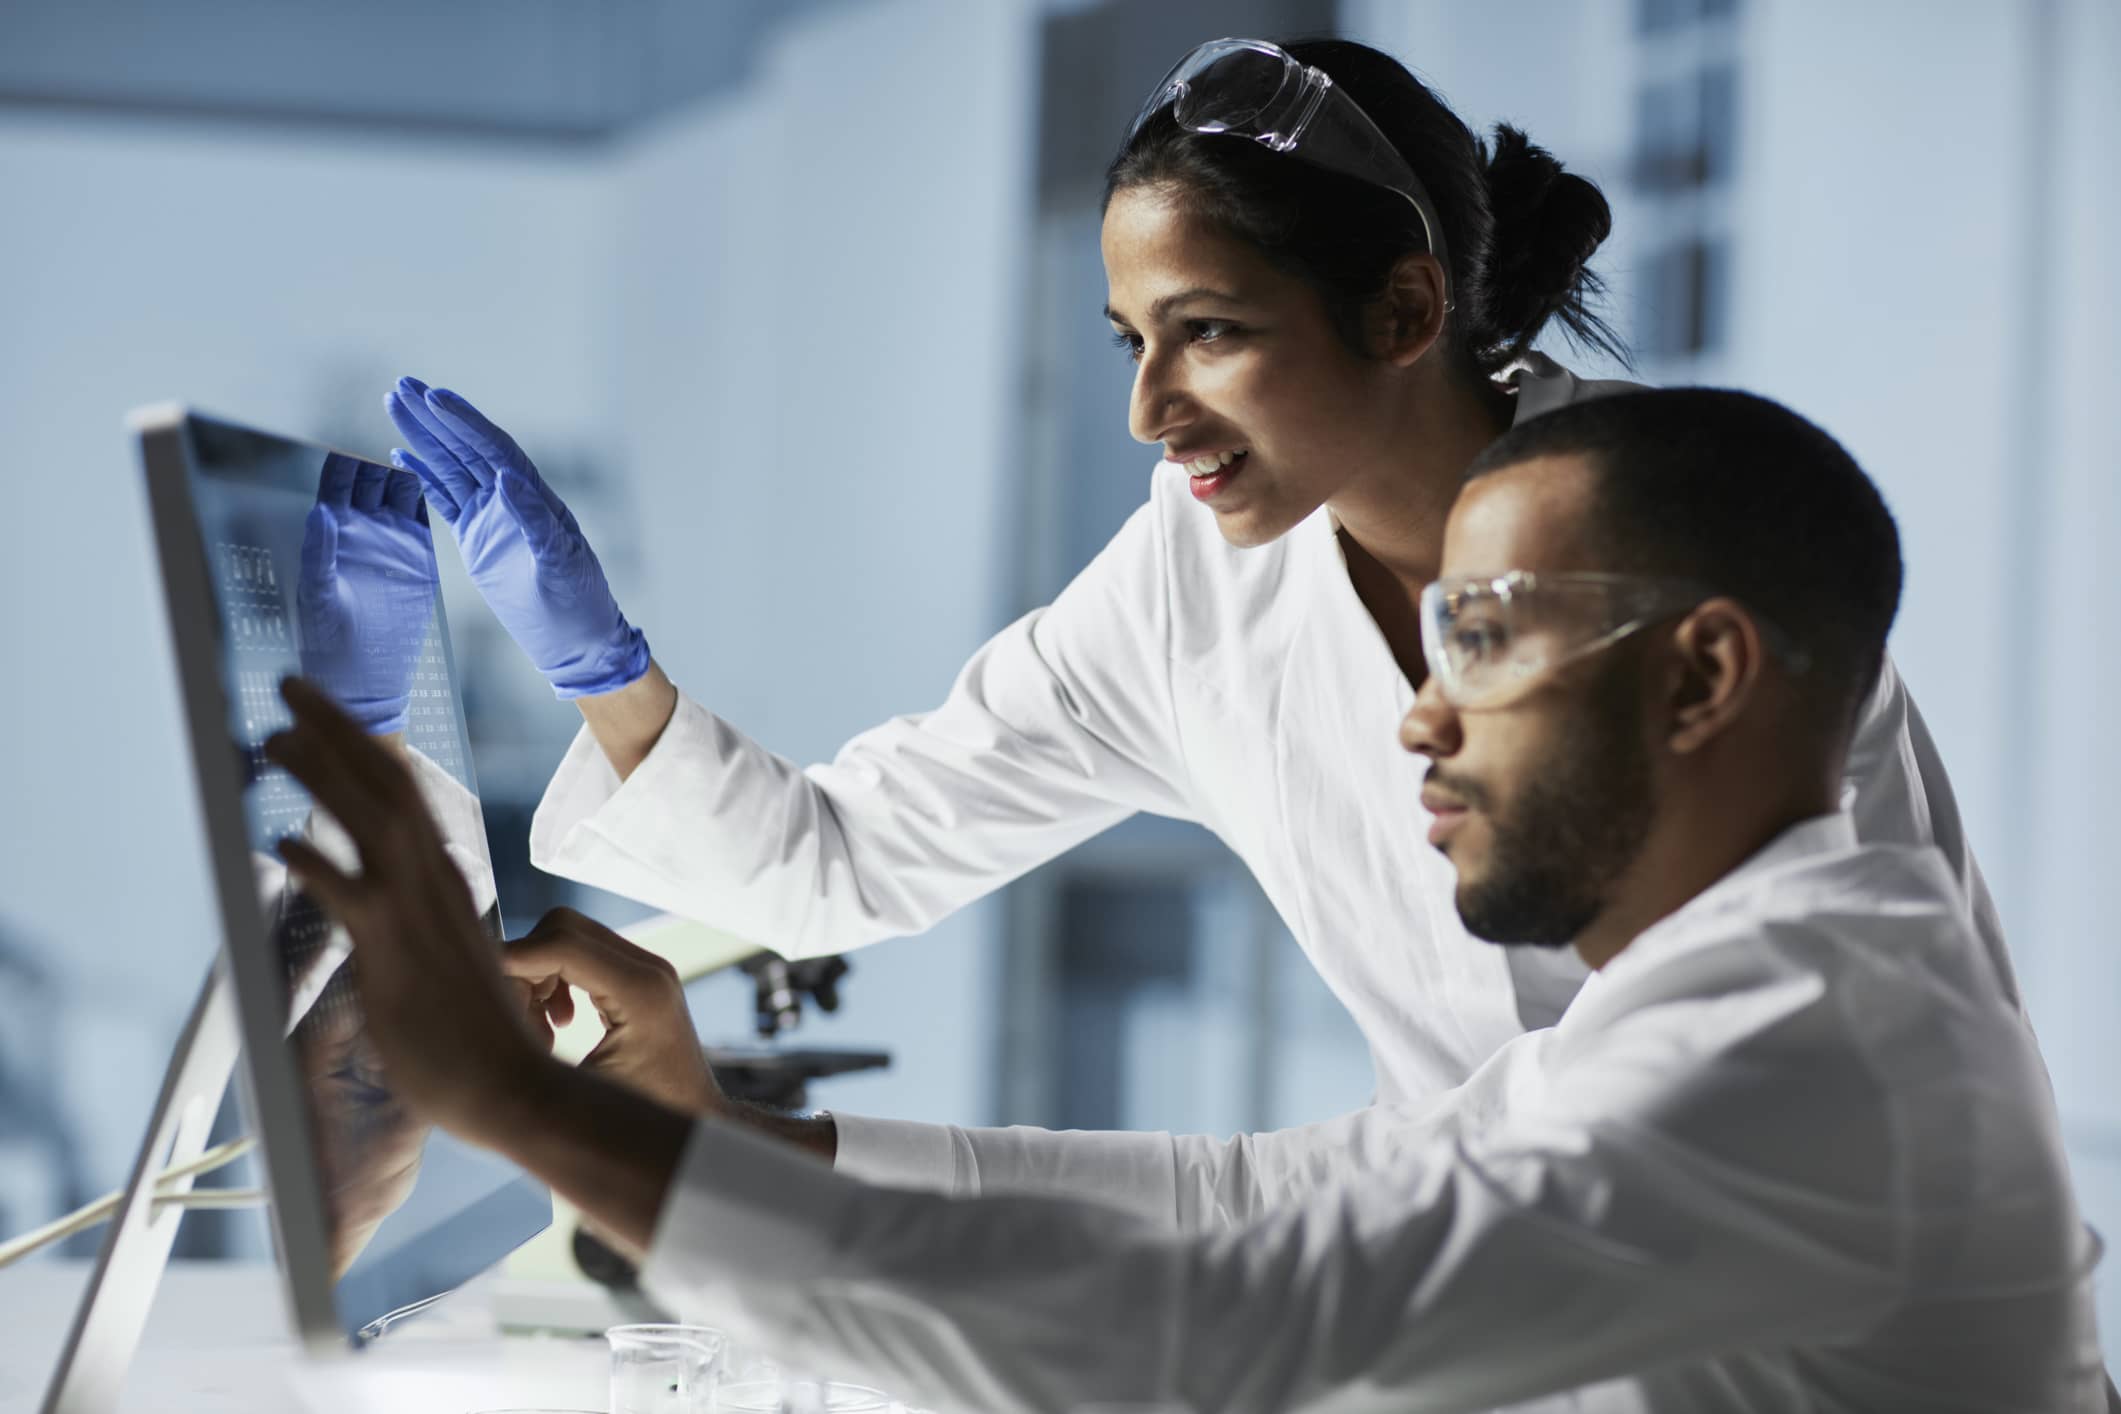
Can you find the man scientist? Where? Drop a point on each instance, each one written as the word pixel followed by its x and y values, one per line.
pixel 1792 1147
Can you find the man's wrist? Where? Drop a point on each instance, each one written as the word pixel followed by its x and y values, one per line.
pixel 608 1149
pixel 815 1134
pixel 520 1103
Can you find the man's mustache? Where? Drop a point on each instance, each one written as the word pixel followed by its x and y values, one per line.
pixel 1470 793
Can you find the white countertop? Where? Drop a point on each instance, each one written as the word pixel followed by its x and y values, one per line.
pixel 218 1341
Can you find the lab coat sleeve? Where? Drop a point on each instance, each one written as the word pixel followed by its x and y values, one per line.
pixel 1180 1183
pixel 1177 1183
pixel 1898 792
pixel 1468 1274
pixel 1059 727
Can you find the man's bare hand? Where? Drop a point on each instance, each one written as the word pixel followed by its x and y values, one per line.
pixel 450 1029
pixel 649 1044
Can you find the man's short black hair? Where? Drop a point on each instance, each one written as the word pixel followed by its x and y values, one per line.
pixel 1746 498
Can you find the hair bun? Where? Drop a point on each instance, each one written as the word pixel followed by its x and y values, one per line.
pixel 1548 223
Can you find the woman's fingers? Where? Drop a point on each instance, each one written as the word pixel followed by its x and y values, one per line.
pixel 432 439
pixel 478 432
pixel 441 491
pixel 471 449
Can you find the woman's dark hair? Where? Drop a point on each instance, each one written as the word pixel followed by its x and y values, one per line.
pixel 1518 230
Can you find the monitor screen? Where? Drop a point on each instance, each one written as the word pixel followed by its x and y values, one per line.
pixel 323 564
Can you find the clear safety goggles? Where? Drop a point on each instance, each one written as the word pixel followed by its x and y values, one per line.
pixel 1250 88
pixel 1490 639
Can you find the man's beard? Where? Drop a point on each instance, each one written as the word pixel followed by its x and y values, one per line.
pixel 1578 824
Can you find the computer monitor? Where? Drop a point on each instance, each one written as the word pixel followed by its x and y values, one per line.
pixel 281 557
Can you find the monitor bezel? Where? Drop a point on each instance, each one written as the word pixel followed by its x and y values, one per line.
pixel 277 1099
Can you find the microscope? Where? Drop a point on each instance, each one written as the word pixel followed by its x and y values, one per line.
pixel 768 1074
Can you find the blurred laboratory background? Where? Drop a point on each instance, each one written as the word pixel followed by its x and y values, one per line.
pixel 798 302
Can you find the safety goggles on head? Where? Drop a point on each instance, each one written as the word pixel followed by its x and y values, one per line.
pixel 1250 88
pixel 1490 639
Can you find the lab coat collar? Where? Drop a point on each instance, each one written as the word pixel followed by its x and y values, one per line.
pixel 1541 385
pixel 1812 838
pixel 1820 834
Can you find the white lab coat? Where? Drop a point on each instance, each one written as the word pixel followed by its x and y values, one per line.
pixel 1246 689
pixel 1792 1149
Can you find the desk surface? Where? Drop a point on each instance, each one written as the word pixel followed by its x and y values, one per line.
pixel 218 1341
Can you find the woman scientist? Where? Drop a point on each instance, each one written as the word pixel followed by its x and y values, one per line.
pixel 1330 289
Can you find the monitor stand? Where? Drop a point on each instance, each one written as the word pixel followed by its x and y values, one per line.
pixel 113 1310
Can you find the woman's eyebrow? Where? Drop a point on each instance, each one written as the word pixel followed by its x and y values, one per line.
pixel 1162 307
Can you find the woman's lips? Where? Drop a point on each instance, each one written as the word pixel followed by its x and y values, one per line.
pixel 1207 487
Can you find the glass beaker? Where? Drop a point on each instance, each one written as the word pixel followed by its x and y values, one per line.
pixel 664 1369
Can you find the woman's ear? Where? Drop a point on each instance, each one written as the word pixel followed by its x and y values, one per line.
pixel 1407 318
pixel 1718 657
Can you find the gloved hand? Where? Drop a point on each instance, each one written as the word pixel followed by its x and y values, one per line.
pixel 365 593
pixel 521 544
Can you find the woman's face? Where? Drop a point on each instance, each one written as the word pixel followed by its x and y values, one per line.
pixel 1239 372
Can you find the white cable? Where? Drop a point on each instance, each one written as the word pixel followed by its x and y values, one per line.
pixel 218 1157
pixel 16 1248
pixel 86 1217
pixel 213 1198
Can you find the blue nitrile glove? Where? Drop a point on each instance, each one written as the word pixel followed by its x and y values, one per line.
pixel 365 593
pixel 520 543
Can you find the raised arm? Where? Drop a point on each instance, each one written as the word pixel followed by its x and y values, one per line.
pixel 1058 728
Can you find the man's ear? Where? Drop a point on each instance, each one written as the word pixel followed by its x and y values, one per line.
pixel 1405 321
pixel 1718 662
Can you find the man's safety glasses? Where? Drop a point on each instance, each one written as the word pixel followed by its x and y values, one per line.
pixel 1491 639
pixel 1250 88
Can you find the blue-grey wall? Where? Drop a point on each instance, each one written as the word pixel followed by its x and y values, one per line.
pixel 771 332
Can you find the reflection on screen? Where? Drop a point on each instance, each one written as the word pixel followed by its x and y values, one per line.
pixel 323 565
